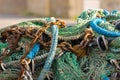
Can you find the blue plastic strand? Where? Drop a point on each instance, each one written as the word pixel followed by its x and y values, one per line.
pixel 34 51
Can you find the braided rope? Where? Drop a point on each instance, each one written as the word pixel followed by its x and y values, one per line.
pixel 94 24
pixel 51 54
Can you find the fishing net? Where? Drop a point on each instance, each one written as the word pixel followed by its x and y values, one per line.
pixel 95 65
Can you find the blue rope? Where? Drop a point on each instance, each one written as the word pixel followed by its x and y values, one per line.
pixel 104 77
pixel 105 12
pixel 51 54
pixel 94 24
pixel 114 12
pixel 34 51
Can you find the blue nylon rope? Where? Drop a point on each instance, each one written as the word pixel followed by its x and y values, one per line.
pixel 94 24
pixel 51 54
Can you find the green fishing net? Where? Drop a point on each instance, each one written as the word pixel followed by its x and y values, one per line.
pixel 93 66
pixel 68 67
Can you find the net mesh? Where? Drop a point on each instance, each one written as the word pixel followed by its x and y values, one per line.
pixel 68 67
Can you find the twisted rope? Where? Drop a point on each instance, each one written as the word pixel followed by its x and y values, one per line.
pixel 51 54
pixel 95 26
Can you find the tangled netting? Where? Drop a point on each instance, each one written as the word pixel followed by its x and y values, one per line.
pixel 98 59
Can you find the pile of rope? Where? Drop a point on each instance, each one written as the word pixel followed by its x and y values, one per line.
pixel 46 49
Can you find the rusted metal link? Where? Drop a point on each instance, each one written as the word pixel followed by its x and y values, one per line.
pixel 75 49
pixel 37 35
pixel 59 23
pixel 6 54
pixel 25 54
pixel 88 36
pixel 24 67
pixel 65 46
pixel 12 37
pixel 22 60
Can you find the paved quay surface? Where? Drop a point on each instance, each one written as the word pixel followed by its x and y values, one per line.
pixel 6 20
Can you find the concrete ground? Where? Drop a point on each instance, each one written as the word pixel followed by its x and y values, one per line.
pixel 6 20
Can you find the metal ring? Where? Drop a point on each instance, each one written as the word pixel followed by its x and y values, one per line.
pixel 2 65
pixel 102 43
